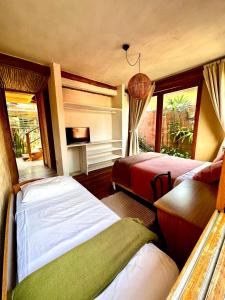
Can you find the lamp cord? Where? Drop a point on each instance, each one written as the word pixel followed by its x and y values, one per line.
pixel 137 61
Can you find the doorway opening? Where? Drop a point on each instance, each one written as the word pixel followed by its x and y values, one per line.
pixel 24 121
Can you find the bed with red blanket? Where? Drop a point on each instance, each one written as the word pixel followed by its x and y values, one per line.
pixel 135 173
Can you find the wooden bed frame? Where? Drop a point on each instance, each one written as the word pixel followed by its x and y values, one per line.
pixel 194 276
pixel 9 258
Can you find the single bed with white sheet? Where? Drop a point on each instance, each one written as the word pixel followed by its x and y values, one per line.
pixel 50 224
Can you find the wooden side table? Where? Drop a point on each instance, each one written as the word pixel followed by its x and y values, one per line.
pixel 183 214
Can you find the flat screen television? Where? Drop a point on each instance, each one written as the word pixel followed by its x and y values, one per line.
pixel 77 135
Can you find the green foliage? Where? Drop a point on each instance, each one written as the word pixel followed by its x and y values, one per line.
pixel 18 144
pixel 181 134
pixel 179 103
pixel 175 152
pixel 144 146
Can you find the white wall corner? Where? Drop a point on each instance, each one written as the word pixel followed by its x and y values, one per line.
pixel 58 121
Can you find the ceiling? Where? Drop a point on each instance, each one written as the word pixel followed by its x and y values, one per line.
pixel 85 36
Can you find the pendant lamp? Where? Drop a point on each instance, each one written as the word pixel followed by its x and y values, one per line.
pixel 139 85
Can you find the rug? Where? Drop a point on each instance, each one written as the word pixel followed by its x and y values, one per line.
pixel 125 206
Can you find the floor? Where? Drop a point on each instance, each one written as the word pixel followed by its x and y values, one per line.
pixel 33 169
pixel 126 206
pixel 99 183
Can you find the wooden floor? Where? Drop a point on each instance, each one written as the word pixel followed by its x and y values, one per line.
pixel 98 182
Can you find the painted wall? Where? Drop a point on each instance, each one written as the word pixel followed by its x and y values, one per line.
pixel 58 124
pixel 5 184
pixel 100 123
pixel 210 133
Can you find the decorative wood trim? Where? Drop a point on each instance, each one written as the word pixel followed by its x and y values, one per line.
pixel 24 64
pixel 43 129
pixel 9 259
pixel 86 80
pixel 217 287
pixel 49 129
pixel 158 133
pixel 179 81
pixel 197 113
pixel 220 203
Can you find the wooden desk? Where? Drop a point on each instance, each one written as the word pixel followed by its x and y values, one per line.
pixel 203 274
pixel 183 214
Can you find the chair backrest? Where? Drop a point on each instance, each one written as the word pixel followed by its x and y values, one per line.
pixel 157 184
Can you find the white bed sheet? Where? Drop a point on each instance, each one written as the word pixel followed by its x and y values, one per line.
pixel 190 174
pixel 48 229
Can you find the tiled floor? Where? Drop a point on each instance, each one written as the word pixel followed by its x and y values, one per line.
pixel 33 169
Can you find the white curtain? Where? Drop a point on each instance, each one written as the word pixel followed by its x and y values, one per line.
pixel 214 75
pixel 137 109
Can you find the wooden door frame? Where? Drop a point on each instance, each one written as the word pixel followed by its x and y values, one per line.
pixel 43 70
pixel 44 117
pixel 8 138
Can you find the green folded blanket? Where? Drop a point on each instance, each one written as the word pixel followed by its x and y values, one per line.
pixel 85 271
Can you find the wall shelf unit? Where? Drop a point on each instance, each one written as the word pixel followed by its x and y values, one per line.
pixel 94 154
pixel 96 160
pixel 73 106
pixel 103 151
pixel 107 118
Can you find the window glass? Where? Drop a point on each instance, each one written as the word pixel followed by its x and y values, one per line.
pixel 147 127
pixel 178 122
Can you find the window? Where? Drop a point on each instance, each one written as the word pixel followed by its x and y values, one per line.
pixel 178 120
pixel 170 122
pixel 147 127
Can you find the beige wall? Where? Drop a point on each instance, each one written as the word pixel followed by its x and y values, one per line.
pixel 210 133
pixel 57 114
pixel 5 184
pixel 100 123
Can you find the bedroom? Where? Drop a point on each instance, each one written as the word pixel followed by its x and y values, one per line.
pixel 81 38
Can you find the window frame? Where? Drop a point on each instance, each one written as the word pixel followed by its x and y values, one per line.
pixel 185 80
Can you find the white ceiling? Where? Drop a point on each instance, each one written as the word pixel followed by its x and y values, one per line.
pixel 85 36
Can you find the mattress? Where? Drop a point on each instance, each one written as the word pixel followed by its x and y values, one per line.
pixel 48 229
pixel 142 173
pixel 122 166
pixel 190 174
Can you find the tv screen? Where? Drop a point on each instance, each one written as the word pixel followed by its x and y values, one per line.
pixel 77 135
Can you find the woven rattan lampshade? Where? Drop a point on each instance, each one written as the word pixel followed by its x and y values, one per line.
pixel 139 86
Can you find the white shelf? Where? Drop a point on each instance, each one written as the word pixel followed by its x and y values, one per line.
pixel 105 142
pixel 68 105
pixel 102 151
pixel 103 159
pixel 104 164
pixel 93 143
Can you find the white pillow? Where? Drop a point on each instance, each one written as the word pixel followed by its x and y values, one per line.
pixel 47 188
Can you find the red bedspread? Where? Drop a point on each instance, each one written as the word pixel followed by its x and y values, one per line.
pixel 122 167
pixel 139 175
